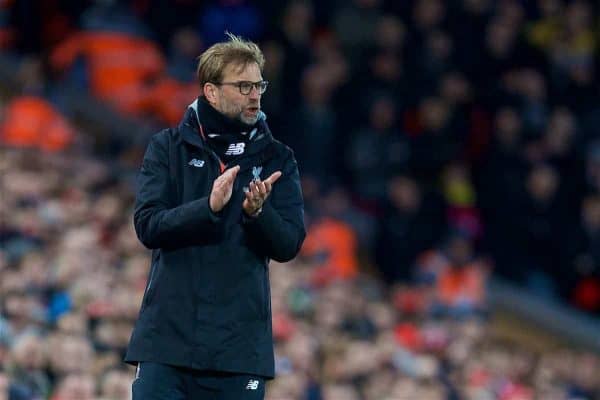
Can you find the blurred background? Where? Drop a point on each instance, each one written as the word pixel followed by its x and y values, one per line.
pixel 450 161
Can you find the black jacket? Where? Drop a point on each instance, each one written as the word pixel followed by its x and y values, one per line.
pixel 207 302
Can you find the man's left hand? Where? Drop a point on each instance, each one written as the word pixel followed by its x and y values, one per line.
pixel 257 193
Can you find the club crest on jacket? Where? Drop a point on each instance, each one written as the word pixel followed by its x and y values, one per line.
pixel 256 173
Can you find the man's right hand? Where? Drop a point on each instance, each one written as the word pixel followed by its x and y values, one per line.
pixel 222 189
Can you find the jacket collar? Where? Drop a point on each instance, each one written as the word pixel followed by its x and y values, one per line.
pixel 191 130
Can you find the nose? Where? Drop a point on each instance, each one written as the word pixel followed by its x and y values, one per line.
pixel 254 92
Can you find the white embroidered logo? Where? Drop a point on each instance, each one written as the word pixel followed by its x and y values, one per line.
pixel 256 173
pixel 252 384
pixel 253 132
pixel 235 149
pixel 196 163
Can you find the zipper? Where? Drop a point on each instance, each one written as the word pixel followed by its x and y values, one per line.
pixel 153 268
pixel 214 155
pixel 147 294
pixel 266 291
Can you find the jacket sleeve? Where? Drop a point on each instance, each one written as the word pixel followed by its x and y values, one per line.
pixel 279 230
pixel 158 223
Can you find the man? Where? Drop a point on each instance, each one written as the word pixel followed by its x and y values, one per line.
pixel 217 198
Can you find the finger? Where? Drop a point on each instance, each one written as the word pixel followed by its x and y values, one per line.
pixel 255 189
pixel 274 176
pixel 268 187
pixel 251 194
pixel 246 204
pixel 251 201
pixel 262 189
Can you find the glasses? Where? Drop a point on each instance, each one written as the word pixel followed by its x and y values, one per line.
pixel 245 87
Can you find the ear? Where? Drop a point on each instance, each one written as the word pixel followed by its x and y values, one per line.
pixel 210 92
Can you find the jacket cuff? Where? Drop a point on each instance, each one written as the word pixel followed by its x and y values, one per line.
pixel 213 216
pixel 248 220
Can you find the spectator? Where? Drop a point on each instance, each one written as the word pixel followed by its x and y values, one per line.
pixel 585 253
pixel 461 287
pixel 377 151
pixel 412 222
pixel 355 25
pixel 295 35
pixel 311 130
pixel 239 17
pixel 28 364
pixel 75 386
pixel 592 167
pixel 432 143
pixel 331 243
pixel 390 33
pixel 500 190
pixel 32 122
pixel 541 234
pixel 6 30
pixel 182 54
pixel 116 385
pixel 119 59
pixel 462 213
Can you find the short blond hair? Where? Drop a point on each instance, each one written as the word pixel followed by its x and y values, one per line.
pixel 235 51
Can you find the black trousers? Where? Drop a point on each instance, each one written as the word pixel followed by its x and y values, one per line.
pixel 155 381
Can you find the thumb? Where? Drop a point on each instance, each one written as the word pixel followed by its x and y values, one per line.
pixel 274 176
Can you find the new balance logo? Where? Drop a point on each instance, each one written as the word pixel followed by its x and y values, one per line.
pixel 252 384
pixel 235 149
pixel 196 163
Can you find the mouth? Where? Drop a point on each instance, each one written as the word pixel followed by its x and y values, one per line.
pixel 253 110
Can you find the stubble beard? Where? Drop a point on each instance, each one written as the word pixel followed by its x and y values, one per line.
pixel 247 120
pixel 237 113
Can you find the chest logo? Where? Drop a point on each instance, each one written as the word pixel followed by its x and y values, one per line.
pixel 252 384
pixel 196 163
pixel 235 149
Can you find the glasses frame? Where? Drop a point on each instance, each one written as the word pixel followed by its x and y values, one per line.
pixel 258 85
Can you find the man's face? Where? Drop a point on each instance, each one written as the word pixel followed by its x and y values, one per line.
pixel 231 102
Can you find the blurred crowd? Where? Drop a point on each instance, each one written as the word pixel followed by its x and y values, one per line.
pixel 429 118
pixel 439 142
pixel 72 276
